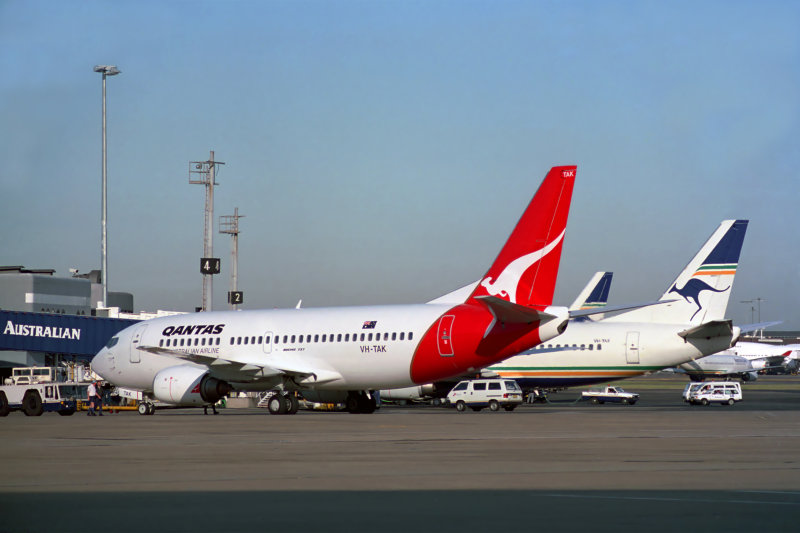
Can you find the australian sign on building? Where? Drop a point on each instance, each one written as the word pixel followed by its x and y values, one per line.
pixel 63 334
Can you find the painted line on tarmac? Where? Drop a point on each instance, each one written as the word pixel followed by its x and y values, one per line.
pixel 666 499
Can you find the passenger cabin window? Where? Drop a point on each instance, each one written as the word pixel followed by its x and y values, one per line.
pixel 161 342
pixel 323 338
pixel 259 340
pixel 293 338
pixel 402 335
pixel 266 339
pixel 410 335
pixel 394 336
pixel 339 337
pixel 346 337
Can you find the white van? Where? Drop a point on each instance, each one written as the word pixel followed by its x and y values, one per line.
pixel 722 392
pixel 491 393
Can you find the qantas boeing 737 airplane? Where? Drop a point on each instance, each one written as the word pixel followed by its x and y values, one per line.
pixel 341 354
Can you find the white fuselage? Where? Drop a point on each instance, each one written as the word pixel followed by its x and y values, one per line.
pixel 376 357
pixel 595 352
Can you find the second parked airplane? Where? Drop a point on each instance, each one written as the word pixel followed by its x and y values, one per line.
pixel 688 325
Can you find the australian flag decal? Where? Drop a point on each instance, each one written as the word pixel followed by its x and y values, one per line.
pixel 369 324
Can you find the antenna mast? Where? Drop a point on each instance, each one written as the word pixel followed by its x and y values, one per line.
pixel 204 173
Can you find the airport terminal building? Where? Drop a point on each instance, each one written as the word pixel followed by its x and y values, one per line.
pixel 46 319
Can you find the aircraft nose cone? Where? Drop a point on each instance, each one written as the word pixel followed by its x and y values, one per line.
pixel 99 364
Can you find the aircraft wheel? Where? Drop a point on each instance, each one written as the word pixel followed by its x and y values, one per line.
pixel 461 406
pixel 494 406
pixel 351 404
pixel 32 403
pixel 366 403
pixel 4 408
pixel 277 404
pixel 292 404
pixel 704 401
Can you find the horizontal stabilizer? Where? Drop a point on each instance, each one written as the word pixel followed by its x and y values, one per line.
pixel 510 313
pixel 611 308
pixel 715 328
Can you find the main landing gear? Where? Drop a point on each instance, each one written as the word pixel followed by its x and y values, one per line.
pixel 360 402
pixel 283 404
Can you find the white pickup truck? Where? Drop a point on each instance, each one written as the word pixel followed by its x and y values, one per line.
pixel 610 394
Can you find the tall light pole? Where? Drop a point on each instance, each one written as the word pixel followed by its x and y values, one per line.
pixel 106 70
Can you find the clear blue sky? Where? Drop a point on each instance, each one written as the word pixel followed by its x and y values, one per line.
pixel 382 151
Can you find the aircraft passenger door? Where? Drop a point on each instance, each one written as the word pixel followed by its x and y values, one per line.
pixel 444 337
pixel 136 338
pixel 632 347
pixel 268 342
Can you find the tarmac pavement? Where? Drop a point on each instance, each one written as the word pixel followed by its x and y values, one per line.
pixel 659 464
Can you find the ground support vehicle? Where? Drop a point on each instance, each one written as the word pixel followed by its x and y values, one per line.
pixel 34 399
pixel 610 394
pixel 721 392
pixel 479 393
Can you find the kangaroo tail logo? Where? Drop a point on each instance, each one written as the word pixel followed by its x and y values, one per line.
pixel 691 292
pixel 507 282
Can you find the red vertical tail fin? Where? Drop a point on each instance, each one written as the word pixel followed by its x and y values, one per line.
pixel 526 269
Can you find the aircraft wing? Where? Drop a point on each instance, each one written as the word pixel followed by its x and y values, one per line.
pixel 304 371
pixel 714 328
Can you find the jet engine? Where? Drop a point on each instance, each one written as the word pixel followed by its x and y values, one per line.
pixel 188 385
pixel 749 376
pixel 418 392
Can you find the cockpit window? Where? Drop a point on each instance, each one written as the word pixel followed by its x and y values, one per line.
pixel 112 341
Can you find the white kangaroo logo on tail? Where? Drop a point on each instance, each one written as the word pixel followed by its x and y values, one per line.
pixel 507 281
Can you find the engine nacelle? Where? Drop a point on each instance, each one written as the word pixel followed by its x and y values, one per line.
pixel 749 376
pixel 188 385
